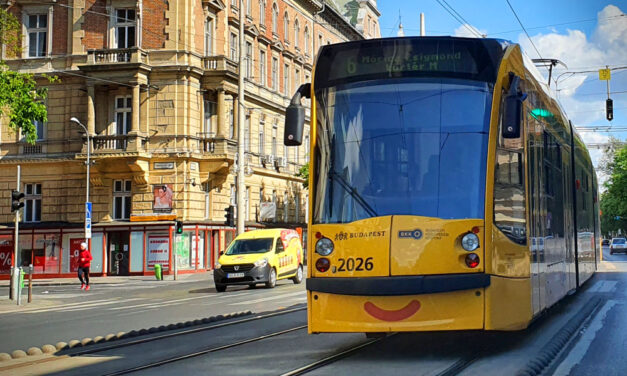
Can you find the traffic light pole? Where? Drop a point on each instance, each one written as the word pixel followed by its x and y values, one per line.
pixel 14 271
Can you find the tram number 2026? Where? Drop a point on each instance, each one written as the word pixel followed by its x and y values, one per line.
pixel 355 264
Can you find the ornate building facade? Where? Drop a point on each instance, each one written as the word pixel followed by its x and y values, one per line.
pixel 154 82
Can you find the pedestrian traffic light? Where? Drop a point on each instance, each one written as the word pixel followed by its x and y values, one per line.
pixel 609 109
pixel 179 227
pixel 16 200
pixel 229 215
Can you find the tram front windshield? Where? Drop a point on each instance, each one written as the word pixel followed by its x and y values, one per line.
pixel 407 146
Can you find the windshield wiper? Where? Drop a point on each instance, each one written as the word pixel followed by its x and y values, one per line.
pixel 353 192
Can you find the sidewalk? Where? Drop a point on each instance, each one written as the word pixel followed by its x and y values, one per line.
pixel 194 277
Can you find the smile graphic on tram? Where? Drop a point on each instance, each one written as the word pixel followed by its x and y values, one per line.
pixel 392 315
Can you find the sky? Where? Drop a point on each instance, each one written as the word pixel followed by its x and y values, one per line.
pixel 586 35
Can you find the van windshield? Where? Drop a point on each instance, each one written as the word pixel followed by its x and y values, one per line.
pixel 249 246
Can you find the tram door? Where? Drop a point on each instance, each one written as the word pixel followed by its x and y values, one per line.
pixel 118 252
pixel 569 225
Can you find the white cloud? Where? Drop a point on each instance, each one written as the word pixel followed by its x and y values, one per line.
pixel 464 31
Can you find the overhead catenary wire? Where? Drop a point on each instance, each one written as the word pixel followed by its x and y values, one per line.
pixel 459 18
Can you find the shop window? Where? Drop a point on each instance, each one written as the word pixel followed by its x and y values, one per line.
pixel 122 199
pixel 32 202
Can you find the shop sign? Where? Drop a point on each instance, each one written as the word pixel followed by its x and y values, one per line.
pixel 158 251
pixel 163 165
pixel 162 202
pixel 6 248
pixel 75 250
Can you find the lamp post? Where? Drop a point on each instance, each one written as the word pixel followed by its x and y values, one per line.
pixel 87 211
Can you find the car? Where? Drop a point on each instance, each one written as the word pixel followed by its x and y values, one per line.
pixel 605 242
pixel 618 245
pixel 260 256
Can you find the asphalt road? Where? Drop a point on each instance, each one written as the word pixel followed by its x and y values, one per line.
pixel 63 313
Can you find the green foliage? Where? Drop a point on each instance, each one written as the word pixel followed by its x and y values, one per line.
pixel 303 173
pixel 614 199
pixel 21 100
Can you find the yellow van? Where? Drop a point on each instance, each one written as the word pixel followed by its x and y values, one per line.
pixel 260 256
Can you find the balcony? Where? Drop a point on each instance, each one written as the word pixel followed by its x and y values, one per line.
pixel 219 63
pixel 210 144
pixel 117 56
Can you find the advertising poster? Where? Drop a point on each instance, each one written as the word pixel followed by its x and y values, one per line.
pixel 162 198
pixel 6 248
pixel 75 250
pixel 158 250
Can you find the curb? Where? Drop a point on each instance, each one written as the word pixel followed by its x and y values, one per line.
pixel 554 347
pixel 85 342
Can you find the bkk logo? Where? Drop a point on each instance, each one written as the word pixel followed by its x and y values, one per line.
pixel 414 234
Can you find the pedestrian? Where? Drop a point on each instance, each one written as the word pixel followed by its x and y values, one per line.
pixel 84 262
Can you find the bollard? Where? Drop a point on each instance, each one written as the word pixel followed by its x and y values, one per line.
pixel 175 266
pixel 30 283
pixel 22 278
pixel 158 272
pixel 19 285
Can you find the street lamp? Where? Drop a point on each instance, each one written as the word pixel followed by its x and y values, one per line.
pixel 87 204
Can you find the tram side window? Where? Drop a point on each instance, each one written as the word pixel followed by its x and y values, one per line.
pixel 509 189
pixel 553 187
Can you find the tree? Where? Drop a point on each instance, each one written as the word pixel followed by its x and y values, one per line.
pixel 303 173
pixel 614 199
pixel 21 101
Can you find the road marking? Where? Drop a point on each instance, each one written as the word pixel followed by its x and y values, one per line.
pixel 269 298
pixel 79 306
pixel 581 348
pixel 160 303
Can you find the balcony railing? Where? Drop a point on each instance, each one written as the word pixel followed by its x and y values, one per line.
pixel 32 149
pixel 219 63
pixel 109 143
pixel 117 55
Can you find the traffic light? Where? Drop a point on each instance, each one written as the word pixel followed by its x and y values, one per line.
pixel 609 109
pixel 179 227
pixel 229 215
pixel 16 200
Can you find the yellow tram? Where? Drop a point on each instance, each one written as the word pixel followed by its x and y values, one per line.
pixel 448 189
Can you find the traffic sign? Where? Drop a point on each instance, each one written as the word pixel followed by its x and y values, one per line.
pixel 88 220
pixel 604 74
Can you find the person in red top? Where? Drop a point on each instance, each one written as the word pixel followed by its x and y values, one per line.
pixel 84 262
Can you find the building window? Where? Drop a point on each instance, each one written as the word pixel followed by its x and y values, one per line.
pixel 121 199
pixel 286 153
pixel 297 208
pixel 208 124
pixel 285 207
pixel 296 32
pixel 247 134
pixel 274 201
pixel 275 18
pixel 32 202
pixel 262 137
pixel 39 125
pixel 275 127
pixel 297 78
pixel 125 28
pixel 262 67
pixel 306 47
pixel 320 41
pixel 249 7
pixel 262 12
pixel 275 74
pixel 209 37
pixel 297 154
pixel 123 114
pixel 233 46
pixel 232 121
pixel 286 79
pixel 37 30
pixel 249 60
pixel 286 27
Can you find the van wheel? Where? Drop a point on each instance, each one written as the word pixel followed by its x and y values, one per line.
pixel 271 279
pixel 298 278
pixel 220 288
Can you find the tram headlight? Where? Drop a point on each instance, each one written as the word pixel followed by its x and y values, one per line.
pixel 324 246
pixel 470 242
pixel 323 264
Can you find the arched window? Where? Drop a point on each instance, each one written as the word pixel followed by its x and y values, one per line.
pixel 296 32
pixel 306 40
pixel 262 12
pixel 275 18
pixel 286 27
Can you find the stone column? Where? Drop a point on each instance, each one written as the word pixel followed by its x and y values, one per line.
pixel 221 107
pixel 135 109
pixel 91 109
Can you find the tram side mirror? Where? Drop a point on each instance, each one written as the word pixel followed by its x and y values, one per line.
pixel 295 117
pixel 512 107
